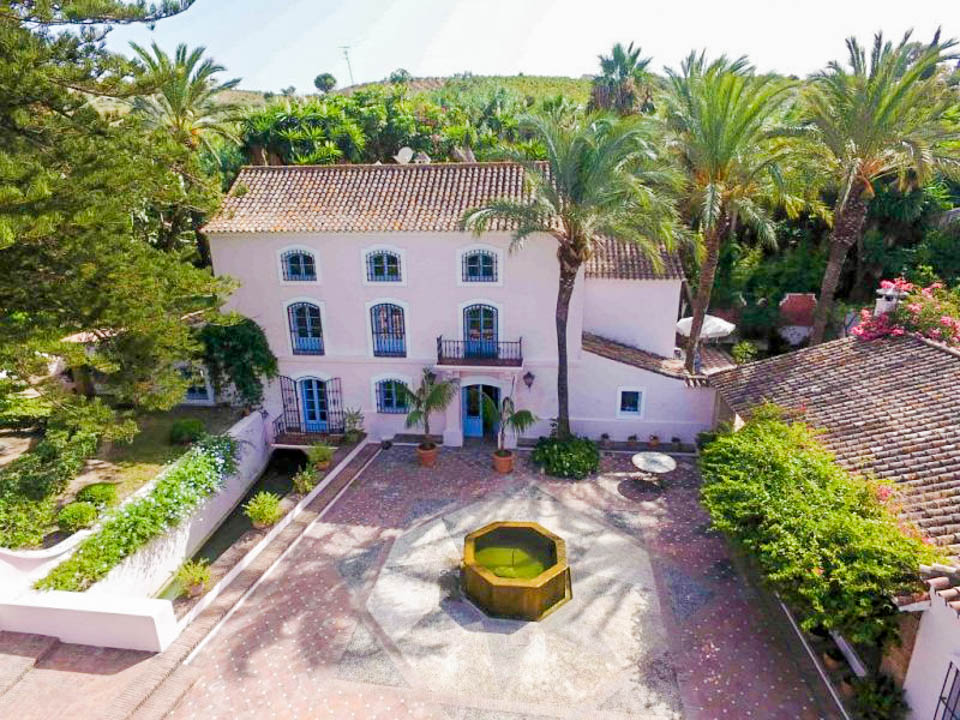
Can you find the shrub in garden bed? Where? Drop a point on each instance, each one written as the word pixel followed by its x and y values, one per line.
pixel 186 430
pixel 574 457
pixel 102 494
pixel 263 509
pixel 76 516
pixel 30 483
pixel 304 481
pixel 826 540
pixel 196 476
pixel 877 697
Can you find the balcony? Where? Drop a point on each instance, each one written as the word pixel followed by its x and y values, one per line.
pixel 483 353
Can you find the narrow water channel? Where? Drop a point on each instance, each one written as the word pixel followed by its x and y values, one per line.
pixel 277 478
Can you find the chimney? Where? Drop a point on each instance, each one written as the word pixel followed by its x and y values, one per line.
pixel 889 296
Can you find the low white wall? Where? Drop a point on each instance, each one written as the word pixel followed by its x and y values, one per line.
pixel 937 645
pixel 122 622
pixel 670 408
pixel 144 573
pixel 19 568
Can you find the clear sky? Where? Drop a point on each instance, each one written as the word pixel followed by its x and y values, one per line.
pixel 272 45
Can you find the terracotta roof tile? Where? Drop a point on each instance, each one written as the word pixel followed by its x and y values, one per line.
pixel 889 407
pixel 798 309
pixel 620 260
pixel 714 359
pixel 396 198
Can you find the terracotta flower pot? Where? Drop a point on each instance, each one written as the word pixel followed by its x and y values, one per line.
pixel 831 663
pixel 654 441
pixel 195 590
pixel 322 464
pixel 427 455
pixel 503 464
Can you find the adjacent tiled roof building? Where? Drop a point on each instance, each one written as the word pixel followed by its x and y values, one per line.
pixel 713 359
pixel 888 407
pixel 396 198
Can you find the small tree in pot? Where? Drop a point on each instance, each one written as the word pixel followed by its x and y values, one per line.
pixel 432 396
pixel 507 417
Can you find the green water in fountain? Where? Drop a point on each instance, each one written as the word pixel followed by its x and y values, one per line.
pixel 516 560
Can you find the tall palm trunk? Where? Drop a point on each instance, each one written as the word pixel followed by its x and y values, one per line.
pixel 708 272
pixel 849 218
pixel 568 278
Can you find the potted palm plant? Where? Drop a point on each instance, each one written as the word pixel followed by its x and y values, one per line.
pixel 507 417
pixel 432 396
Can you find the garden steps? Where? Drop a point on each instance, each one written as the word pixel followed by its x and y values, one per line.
pixel 164 667
pixel 19 653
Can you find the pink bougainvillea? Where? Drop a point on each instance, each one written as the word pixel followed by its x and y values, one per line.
pixel 931 312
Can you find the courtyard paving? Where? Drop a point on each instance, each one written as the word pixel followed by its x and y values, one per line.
pixel 364 618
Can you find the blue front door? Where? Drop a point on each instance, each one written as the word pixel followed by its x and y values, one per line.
pixel 472 412
pixel 480 331
pixel 313 395
pixel 474 424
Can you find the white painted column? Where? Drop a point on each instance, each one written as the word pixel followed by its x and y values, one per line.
pixel 453 429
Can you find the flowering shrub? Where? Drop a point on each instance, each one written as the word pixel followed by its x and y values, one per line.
pixel 932 312
pixel 827 541
pixel 191 480
pixel 574 457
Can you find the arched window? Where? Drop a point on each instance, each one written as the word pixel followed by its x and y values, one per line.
pixel 389 333
pixel 306 331
pixel 383 266
pixel 299 265
pixel 391 397
pixel 480 266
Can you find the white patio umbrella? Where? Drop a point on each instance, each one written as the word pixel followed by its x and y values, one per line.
pixel 713 327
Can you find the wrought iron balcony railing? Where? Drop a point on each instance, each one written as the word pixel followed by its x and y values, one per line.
pixel 480 352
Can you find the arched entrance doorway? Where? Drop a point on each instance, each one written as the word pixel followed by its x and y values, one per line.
pixel 476 423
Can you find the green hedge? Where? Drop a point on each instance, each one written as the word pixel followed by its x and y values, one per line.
pixel 196 476
pixel 29 485
pixel 826 540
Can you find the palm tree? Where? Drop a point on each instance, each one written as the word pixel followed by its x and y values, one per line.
pixel 506 417
pixel 878 118
pixel 185 100
pixel 432 396
pixel 599 181
pixel 721 120
pixel 623 79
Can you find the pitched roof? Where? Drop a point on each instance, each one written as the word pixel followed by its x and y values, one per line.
pixel 798 309
pixel 395 198
pixel 620 260
pixel 889 407
pixel 713 359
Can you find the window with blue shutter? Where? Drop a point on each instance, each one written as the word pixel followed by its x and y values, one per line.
pixel 480 266
pixel 391 398
pixel 306 331
pixel 383 266
pixel 299 265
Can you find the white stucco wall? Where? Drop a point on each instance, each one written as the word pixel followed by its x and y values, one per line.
pixel 102 620
pixel 638 313
pixel 670 408
pixel 147 571
pixel 936 646
pixel 430 289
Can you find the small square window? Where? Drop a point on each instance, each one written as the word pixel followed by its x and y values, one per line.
pixel 630 402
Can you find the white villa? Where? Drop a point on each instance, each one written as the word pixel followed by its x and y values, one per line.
pixel 361 276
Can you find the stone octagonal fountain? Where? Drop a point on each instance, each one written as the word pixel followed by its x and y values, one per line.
pixel 516 570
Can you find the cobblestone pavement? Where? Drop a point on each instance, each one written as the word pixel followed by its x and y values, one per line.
pixel 364 619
